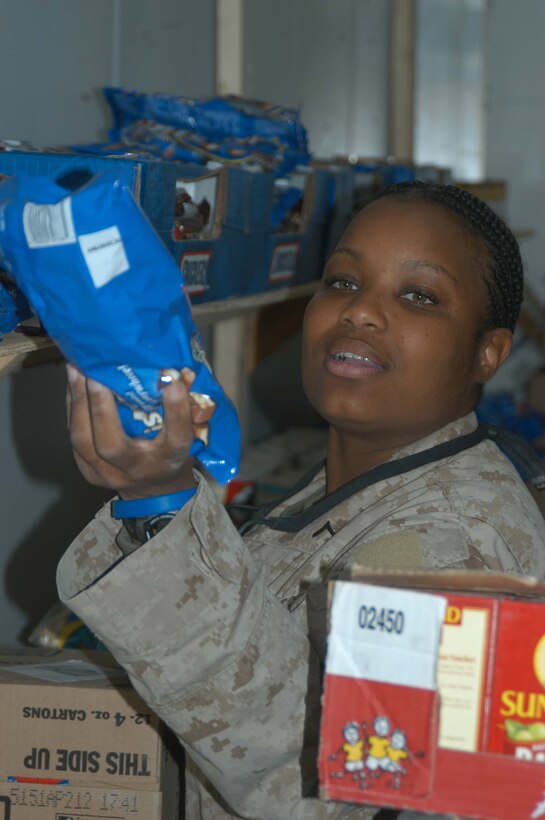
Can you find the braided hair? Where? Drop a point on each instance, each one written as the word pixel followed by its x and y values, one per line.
pixel 504 276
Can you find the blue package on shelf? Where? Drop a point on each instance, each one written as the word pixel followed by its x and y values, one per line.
pixel 109 293
pixel 220 228
pixel 227 128
pixel 152 182
pixel 215 118
pixel 394 172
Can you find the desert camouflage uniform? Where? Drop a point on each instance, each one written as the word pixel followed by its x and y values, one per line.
pixel 223 635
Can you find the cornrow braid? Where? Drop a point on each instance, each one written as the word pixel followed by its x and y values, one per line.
pixel 505 277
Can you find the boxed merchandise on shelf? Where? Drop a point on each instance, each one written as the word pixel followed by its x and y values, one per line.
pixel 371 174
pixel 220 228
pixel 433 681
pixel 78 732
pixel 246 152
pixel 341 200
pixel 295 245
pixel 152 182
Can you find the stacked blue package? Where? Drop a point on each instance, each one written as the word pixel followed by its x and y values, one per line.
pixel 229 129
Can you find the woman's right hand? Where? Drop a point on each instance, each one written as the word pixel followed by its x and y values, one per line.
pixel 132 467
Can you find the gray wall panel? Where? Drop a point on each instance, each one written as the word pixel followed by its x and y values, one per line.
pixel 168 45
pixel 54 56
pixel 328 59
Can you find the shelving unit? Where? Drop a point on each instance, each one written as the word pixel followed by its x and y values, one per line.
pixel 232 338
pixel 19 350
pixel 229 308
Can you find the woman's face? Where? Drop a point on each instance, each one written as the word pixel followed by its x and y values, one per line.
pixel 391 339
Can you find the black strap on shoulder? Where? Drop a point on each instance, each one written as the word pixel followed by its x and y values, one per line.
pixel 390 469
pixel 516 449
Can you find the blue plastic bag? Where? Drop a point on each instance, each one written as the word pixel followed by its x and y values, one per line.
pixel 221 129
pixel 111 296
pixel 216 118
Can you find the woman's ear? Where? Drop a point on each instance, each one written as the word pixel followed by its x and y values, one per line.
pixel 494 348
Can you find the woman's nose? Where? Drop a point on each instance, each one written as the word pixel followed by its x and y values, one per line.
pixel 365 308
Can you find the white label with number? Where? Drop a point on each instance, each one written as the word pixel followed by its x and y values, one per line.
pixel 384 634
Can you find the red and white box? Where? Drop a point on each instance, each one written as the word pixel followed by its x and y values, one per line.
pixel 434 694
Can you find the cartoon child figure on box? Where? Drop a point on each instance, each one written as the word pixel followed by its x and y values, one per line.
pixel 353 749
pixel 397 751
pixel 378 759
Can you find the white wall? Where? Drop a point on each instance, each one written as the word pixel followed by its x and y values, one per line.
pixel 330 60
pixel 168 46
pixel 55 55
pixel 450 67
pixel 515 119
pixel 514 149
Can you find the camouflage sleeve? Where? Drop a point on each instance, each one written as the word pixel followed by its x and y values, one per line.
pixel 219 659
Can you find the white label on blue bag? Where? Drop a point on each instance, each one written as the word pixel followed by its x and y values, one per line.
pixel 105 255
pixel 48 225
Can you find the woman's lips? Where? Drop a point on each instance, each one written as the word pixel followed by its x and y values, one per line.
pixel 352 365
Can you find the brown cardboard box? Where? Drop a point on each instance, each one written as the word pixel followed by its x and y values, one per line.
pixel 22 801
pixel 72 716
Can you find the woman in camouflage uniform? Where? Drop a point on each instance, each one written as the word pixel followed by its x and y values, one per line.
pixel 415 312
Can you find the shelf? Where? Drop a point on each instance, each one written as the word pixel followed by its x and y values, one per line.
pixel 211 312
pixel 21 350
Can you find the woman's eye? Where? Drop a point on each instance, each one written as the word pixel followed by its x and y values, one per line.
pixel 340 283
pixel 417 297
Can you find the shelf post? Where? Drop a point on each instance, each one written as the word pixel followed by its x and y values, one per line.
pixel 402 79
pixel 231 337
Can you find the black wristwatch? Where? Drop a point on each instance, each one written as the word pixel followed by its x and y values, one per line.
pixel 138 531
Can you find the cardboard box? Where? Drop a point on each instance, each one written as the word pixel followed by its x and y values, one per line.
pixel 341 203
pixel 72 717
pixel 152 182
pixel 435 694
pixel 35 801
pixel 220 254
pixel 295 244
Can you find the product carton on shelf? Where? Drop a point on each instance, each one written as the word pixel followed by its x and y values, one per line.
pixel 434 695
pixel 152 182
pixel 340 208
pixel 295 241
pixel 77 736
pixel 220 228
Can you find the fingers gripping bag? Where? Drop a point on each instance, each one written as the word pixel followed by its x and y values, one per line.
pixel 108 292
